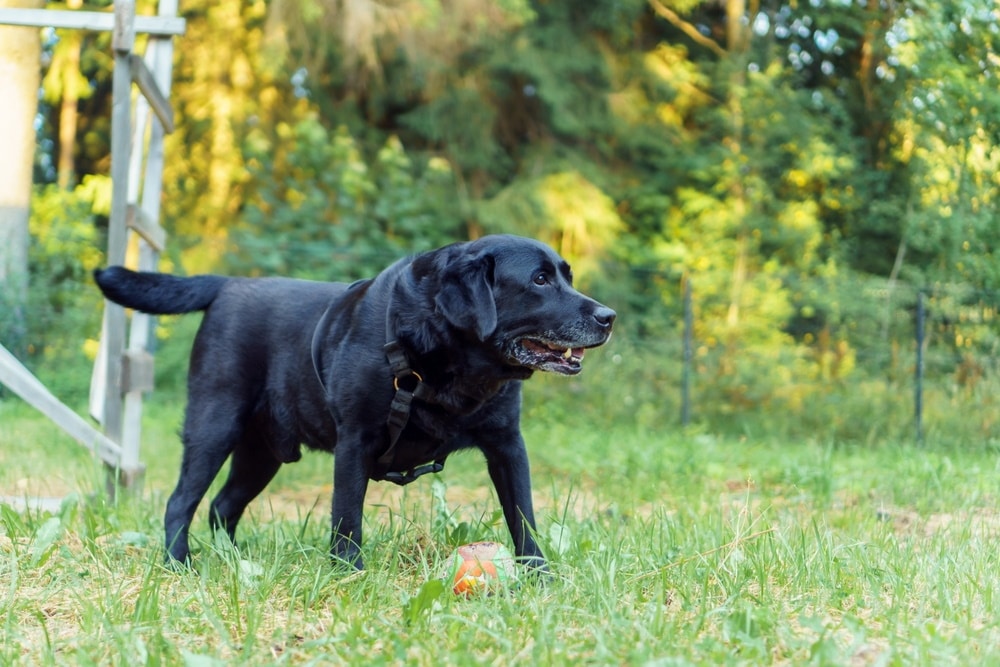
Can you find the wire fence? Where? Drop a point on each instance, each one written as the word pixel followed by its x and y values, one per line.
pixel 932 352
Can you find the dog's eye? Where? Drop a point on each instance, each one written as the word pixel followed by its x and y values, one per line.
pixel 540 278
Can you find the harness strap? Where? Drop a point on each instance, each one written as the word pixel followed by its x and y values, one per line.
pixel 409 385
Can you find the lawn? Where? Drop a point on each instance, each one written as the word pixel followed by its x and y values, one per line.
pixel 666 548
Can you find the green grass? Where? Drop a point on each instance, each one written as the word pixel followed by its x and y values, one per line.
pixel 666 549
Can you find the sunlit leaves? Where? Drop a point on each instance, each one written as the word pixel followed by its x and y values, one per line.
pixel 948 53
pixel 564 209
pixel 321 209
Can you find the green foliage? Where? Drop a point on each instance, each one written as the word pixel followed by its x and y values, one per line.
pixel 566 74
pixel 470 144
pixel 563 209
pixel 948 140
pixel 65 305
pixel 805 170
pixel 320 210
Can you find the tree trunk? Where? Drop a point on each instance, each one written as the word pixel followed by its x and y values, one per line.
pixel 68 106
pixel 20 64
pixel 736 45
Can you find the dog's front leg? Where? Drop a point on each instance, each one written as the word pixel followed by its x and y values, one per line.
pixel 509 470
pixel 350 483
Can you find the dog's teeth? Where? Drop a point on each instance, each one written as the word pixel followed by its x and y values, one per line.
pixel 568 353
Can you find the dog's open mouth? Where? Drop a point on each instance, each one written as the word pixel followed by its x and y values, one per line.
pixel 548 356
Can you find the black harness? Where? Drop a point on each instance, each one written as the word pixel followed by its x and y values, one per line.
pixel 409 385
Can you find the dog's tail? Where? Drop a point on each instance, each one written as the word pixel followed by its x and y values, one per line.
pixel 158 293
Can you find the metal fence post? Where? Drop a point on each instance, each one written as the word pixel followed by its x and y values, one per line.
pixel 686 366
pixel 918 390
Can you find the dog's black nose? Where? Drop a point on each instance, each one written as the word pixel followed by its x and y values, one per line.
pixel 605 316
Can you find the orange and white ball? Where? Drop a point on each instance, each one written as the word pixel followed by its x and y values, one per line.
pixel 480 567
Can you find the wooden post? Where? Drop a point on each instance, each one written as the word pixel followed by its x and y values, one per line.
pixel 117 372
pixel 122 41
pixel 159 58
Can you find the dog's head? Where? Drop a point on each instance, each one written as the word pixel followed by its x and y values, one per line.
pixel 517 295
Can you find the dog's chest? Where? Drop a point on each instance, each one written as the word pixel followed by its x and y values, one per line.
pixel 429 436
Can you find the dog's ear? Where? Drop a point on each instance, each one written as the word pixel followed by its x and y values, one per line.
pixel 466 296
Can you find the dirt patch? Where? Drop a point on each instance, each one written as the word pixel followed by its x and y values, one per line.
pixel 36 488
pixel 979 522
pixel 292 503
pixel 418 500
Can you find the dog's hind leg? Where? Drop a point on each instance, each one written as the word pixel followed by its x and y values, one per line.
pixel 210 435
pixel 252 467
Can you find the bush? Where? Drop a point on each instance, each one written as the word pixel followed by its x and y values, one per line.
pixel 319 209
pixel 64 308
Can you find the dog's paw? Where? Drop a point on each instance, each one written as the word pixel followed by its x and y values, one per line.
pixel 178 566
pixel 347 563
pixel 535 568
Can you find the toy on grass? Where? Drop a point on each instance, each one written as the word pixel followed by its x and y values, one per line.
pixel 480 567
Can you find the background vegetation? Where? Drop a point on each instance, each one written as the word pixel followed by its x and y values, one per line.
pixel 808 167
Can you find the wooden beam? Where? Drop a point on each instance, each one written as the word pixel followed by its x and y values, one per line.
pixel 99 376
pixel 20 380
pixel 123 34
pixel 147 85
pixel 137 371
pixel 96 21
pixel 159 59
pixel 121 146
pixel 138 221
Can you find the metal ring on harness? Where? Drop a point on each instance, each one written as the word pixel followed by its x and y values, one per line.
pixel 395 380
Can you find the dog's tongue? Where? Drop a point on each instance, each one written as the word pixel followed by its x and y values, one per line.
pixel 578 353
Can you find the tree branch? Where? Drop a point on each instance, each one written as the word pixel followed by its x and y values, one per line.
pixel 687 28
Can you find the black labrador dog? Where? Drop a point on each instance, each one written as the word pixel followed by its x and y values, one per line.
pixel 393 373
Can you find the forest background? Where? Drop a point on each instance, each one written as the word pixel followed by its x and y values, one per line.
pixel 807 168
